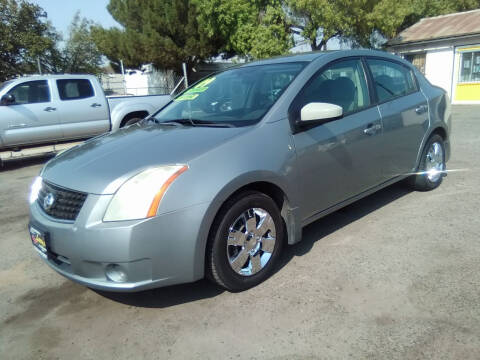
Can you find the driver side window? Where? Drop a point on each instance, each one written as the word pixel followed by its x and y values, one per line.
pixel 343 83
pixel 31 92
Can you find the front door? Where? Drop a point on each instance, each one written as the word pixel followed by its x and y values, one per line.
pixel 339 159
pixel 33 118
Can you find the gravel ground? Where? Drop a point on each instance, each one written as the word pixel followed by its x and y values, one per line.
pixel 393 276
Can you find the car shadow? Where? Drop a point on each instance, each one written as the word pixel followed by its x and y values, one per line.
pixel 342 217
pixel 203 289
pixel 19 163
pixel 166 296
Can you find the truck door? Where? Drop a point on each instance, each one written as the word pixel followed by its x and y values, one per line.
pixel 83 112
pixel 32 118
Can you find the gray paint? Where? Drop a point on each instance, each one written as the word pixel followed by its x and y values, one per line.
pixel 318 170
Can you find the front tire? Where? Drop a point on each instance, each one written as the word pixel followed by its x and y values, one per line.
pixel 432 166
pixel 245 241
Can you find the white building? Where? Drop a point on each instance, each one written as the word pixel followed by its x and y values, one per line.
pixel 447 50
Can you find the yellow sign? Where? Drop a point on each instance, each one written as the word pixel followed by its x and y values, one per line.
pixel 193 93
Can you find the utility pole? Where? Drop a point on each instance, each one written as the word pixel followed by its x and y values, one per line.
pixel 184 67
pixel 124 82
pixel 39 65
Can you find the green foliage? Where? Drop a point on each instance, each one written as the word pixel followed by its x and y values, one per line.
pixel 167 33
pixel 359 20
pixel 25 36
pixel 391 17
pixel 255 29
pixel 80 54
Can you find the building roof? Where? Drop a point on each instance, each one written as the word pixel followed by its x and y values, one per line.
pixel 440 27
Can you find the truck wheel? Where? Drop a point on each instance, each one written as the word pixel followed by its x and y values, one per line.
pixel 245 241
pixel 432 166
pixel 131 121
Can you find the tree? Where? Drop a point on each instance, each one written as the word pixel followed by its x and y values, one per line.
pixel 255 29
pixel 167 33
pixel 25 37
pixel 390 17
pixel 80 54
pixel 358 20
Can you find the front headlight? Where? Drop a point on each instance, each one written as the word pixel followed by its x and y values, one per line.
pixel 35 189
pixel 139 197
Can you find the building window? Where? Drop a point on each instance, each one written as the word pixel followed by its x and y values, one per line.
pixel 470 67
pixel 418 60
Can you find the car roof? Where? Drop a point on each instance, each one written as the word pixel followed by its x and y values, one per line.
pixel 52 76
pixel 314 55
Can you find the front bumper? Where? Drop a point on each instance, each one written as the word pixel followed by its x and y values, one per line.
pixel 153 252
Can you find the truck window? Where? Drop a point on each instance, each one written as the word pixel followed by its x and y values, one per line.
pixel 31 92
pixel 73 89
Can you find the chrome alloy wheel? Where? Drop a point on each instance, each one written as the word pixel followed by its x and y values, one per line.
pixel 434 166
pixel 251 241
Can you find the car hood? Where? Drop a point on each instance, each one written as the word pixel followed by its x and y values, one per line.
pixel 102 164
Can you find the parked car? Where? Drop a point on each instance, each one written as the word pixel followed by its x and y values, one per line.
pixel 221 178
pixel 51 108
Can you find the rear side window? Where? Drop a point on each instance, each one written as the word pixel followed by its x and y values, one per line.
pixel 73 89
pixel 31 92
pixel 391 80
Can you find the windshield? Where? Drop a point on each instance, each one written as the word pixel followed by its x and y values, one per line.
pixel 236 97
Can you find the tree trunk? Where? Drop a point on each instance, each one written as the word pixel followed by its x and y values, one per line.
pixel 315 46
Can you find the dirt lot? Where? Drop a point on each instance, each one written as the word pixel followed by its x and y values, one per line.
pixel 394 276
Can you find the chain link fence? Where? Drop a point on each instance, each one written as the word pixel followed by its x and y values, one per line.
pixel 141 83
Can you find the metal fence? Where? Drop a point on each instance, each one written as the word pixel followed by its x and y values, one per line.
pixel 136 82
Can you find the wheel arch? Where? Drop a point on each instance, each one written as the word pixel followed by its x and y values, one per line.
pixel 123 110
pixel 437 130
pixel 272 188
pixel 140 114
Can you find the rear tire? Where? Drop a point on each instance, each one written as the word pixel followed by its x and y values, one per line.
pixel 131 121
pixel 245 241
pixel 431 169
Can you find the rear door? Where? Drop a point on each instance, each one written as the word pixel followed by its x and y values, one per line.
pixel 33 118
pixel 404 111
pixel 83 109
pixel 339 159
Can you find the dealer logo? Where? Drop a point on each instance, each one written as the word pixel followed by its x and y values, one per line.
pixel 48 201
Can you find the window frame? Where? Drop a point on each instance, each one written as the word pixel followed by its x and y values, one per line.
pixel 294 112
pixel 474 54
pixel 76 98
pixel 46 82
pixel 371 78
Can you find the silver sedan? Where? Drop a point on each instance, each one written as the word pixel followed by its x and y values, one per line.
pixel 231 170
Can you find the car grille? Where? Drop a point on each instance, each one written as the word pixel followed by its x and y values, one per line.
pixel 66 204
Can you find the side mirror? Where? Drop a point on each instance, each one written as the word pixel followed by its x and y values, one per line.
pixel 7 99
pixel 320 113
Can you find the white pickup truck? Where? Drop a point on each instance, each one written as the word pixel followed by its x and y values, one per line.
pixel 57 108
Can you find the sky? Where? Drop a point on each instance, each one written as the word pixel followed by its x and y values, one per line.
pixel 61 12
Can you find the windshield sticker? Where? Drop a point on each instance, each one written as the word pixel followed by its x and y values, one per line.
pixel 197 89
pixel 186 96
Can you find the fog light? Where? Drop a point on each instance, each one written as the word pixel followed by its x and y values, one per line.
pixel 115 273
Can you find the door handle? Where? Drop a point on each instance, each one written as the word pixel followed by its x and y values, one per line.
pixel 421 109
pixel 17 126
pixel 94 105
pixel 50 109
pixel 372 129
